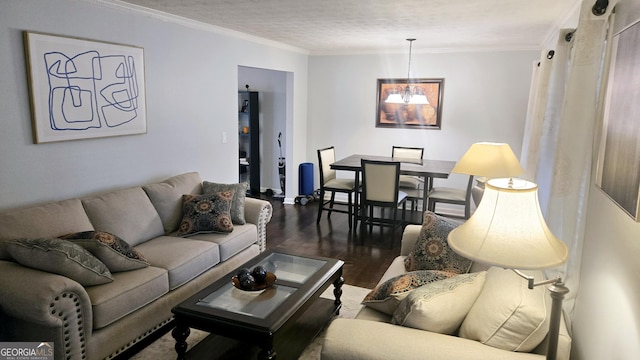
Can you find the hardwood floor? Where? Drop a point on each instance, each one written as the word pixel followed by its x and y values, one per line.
pixel 293 228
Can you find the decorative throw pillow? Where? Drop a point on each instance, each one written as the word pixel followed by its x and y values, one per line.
pixel 432 252
pixel 206 213
pixel 60 257
pixel 110 249
pixel 237 204
pixel 440 306
pixel 507 314
pixel 386 296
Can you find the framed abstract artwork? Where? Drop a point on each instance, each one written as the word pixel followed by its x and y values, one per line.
pixel 393 112
pixel 83 88
pixel 618 171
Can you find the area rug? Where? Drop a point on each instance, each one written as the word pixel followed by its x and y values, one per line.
pixel 163 349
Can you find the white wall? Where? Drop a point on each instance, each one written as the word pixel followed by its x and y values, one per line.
pixel 191 87
pixel 607 313
pixel 485 99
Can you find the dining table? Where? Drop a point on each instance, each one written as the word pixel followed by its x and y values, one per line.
pixel 426 169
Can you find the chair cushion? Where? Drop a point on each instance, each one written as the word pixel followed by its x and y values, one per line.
pixel 432 252
pixel 114 252
pixel 440 306
pixel 166 197
pixel 386 296
pixel 183 258
pixel 130 291
pixel 446 193
pixel 340 183
pixel 47 220
pixel 60 257
pixel 507 314
pixel 127 213
pixel 206 213
pixel 410 182
pixel 237 204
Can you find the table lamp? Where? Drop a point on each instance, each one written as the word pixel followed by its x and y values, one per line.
pixel 488 160
pixel 508 230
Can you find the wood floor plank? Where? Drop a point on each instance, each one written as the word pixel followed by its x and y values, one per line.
pixel 293 228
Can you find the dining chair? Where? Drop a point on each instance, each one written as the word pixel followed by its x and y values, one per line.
pixel 413 186
pixel 450 195
pixel 332 184
pixel 380 180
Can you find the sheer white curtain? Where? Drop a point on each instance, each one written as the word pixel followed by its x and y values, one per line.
pixel 559 140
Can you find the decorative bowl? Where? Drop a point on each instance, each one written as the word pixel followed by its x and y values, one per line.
pixel 269 280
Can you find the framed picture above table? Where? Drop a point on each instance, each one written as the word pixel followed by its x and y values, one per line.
pixel 423 110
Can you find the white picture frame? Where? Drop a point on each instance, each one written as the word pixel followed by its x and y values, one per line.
pixel 83 88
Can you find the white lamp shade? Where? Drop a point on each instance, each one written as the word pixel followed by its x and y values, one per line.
pixel 491 160
pixel 394 98
pixel 508 229
pixel 419 99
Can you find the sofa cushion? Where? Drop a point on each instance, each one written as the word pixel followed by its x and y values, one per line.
pixel 60 257
pixel 166 197
pixel 230 244
pixel 432 252
pixel 440 306
pixel 507 314
pixel 183 258
pixel 237 204
pixel 127 213
pixel 386 296
pixel 42 221
pixel 129 291
pixel 110 249
pixel 206 213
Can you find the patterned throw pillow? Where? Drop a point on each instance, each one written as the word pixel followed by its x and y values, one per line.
pixel 110 249
pixel 432 252
pixel 206 213
pixel 237 204
pixel 440 306
pixel 386 296
pixel 60 257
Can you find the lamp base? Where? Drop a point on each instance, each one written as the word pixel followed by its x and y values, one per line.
pixel 557 291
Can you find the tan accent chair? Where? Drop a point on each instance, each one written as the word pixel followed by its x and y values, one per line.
pixel 330 183
pixel 380 181
pixel 413 186
pixel 454 196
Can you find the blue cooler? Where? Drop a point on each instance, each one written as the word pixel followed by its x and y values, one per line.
pixel 305 179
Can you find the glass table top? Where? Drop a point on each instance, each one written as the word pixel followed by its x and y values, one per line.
pixel 290 269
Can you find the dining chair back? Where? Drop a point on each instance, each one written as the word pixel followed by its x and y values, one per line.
pixel 407 152
pixel 380 180
pixel 453 196
pixel 412 185
pixel 330 183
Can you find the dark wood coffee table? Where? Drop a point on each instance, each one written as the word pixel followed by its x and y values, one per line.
pixel 272 319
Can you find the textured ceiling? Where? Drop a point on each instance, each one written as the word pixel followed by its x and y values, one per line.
pixel 365 26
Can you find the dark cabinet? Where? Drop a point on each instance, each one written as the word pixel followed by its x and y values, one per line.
pixel 249 140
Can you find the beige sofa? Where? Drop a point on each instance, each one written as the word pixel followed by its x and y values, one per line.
pixel 101 321
pixel 371 335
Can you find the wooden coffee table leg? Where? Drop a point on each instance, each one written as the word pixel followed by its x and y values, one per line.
pixel 337 293
pixel 180 333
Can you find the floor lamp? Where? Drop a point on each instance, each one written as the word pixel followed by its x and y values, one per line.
pixel 508 230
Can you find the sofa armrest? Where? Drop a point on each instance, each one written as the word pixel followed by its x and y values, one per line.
pixel 371 340
pixel 258 212
pixel 41 306
pixel 409 238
